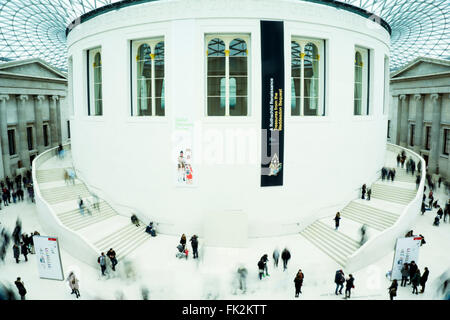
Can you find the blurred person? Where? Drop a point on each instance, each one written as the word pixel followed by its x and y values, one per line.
pixel 24 250
pixel 285 256
pixel 16 251
pixel 336 220
pixel 363 232
pixel 134 220
pixel 21 288
pixel 415 281
pixel 405 274
pixel 265 259
pixel 111 254
pixel 260 269
pixel 144 293
pixel 276 256
pixel 363 190
pixel 369 193
pixel 242 274
pixel 194 244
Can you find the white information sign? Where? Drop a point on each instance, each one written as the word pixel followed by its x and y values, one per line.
pixel 406 250
pixel 48 257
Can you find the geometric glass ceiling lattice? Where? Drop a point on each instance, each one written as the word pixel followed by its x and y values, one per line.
pixel 36 28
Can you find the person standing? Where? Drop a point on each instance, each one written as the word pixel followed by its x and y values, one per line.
pixel 194 244
pixel 24 250
pixel 412 268
pixel 16 251
pixel 298 282
pixel 73 283
pixel 416 281
pixel 363 191
pixel 81 206
pixel 112 256
pixel 423 280
pixel 405 273
pixel 265 259
pixel 339 279
pixel 276 256
pixel 285 256
pixel 21 288
pixel 393 289
pixel 102 261
pixel 183 240
pixel 242 272
pixel 349 286
pixel 369 193
pixel 422 208
pixel 261 269
pixel 336 220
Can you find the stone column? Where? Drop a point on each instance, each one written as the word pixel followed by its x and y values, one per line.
pixel 404 120
pixel 418 133
pixel 38 106
pixel 433 163
pixel 395 122
pixel 58 120
pixel 24 153
pixel 53 121
pixel 4 137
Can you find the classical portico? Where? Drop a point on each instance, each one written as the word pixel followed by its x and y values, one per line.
pixel 420 111
pixel 33 108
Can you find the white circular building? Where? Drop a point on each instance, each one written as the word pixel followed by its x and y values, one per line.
pixel 257 114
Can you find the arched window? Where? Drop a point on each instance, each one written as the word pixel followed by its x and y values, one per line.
pixel 216 78
pixel 144 80
pixel 307 77
pixel 358 83
pixel 149 78
pixel 95 95
pixel 227 76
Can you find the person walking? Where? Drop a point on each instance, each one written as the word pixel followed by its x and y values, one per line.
pixel 194 244
pixel 339 279
pixel 21 288
pixel 102 261
pixel 285 256
pixel 16 251
pixel 416 281
pixel 242 273
pixel 398 160
pixel 422 208
pixel 424 279
pixel 405 273
pixel 369 193
pixel 112 256
pixel 73 283
pixel 24 250
pixel 393 289
pixel 363 191
pixel 276 256
pixel 413 167
pixel 298 282
pixel 336 220
pixel 349 286
pixel 81 206
pixel 418 181
pixel 261 269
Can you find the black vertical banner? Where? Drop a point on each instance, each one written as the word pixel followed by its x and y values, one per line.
pixel 272 116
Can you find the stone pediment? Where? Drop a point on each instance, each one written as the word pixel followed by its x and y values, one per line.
pixel 421 67
pixel 32 67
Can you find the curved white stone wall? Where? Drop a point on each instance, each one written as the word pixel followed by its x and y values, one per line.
pixel 132 158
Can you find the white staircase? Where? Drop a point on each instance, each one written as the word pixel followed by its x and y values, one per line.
pixel 402 176
pixel 393 193
pixel 335 244
pixel 373 217
pixel 64 200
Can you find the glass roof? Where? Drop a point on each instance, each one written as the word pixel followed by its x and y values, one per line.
pixel 37 28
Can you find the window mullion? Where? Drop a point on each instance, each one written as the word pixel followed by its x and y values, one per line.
pixel 152 55
pixel 302 79
pixel 227 80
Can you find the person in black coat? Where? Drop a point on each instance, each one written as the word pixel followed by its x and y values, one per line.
pixel 194 244
pixel 21 288
pixel 363 191
pixel 298 282
pixel 423 279
pixel 336 220
pixel 393 289
pixel 412 270
pixel 261 269
pixel 183 241
pixel 24 250
pixel 16 251
pixel 285 256
pixel 111 254
pixel 265 259
pixel 422 209
pixel 339 279
pixel 349 285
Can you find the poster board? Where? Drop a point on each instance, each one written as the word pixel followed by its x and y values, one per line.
pixel 48 257
pixel 184 173
pixel 406 250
